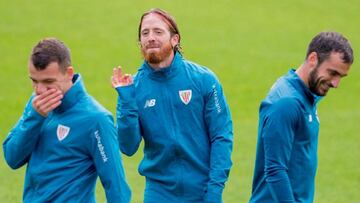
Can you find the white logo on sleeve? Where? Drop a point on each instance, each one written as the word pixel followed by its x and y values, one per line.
pixel 150 103
pixel 216 99
pixel 62 132
pixel 185 96
pixel 317 116
pixel 310 118
pixel 100 146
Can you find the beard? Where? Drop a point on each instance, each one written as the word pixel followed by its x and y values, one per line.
pixel 316 85
pixel 156 57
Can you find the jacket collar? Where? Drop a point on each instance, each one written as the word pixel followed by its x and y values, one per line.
pixel 299 84
pixel 73 95
pixel 164 73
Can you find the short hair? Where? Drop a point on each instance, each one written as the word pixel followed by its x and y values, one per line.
pixel 50 50
pixel 168 19
pixel 327 42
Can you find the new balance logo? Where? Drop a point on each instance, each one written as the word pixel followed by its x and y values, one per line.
pixel 150 103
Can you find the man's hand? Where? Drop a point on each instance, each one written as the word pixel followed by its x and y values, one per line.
pixel 47 101
pixel 119 79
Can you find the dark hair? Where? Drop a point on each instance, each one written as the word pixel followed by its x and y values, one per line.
pixel 327 42
pixel 50 50
pixel 168 19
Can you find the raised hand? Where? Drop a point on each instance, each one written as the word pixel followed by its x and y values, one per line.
pixel 47 101
pixel 119 79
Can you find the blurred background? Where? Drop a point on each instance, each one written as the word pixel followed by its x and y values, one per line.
pixel 248 44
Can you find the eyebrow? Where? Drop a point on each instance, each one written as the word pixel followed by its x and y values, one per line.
pixel 153 28
pixel 337 72
pixel 44 80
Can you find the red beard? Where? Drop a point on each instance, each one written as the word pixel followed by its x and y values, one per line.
pixel 156 57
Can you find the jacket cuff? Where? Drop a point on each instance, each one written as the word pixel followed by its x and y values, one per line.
pixel 126 93
pixel 31 114
pixel 213 197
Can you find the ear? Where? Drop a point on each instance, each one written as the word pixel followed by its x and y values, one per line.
pixel 174 40
pixel 312 59
pixel 70 72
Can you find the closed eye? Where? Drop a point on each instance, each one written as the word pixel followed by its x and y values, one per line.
pixel 158 31
pixel 335 73
pixel 49 81
pixel 46 81
pixel 144 32
pixel 33 80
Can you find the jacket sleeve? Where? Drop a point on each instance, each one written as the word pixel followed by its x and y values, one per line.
pixel 23 138
pixel 127 117
pixel 219 124
pixel 278 137
pixel 106 156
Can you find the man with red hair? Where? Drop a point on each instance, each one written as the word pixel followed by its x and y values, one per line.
pixel 179 109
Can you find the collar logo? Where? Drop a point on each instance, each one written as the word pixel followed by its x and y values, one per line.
pixel 62 132
pixel 185 96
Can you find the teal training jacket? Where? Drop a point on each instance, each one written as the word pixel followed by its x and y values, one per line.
pixel 67 151
pixel 286 157
pixel 181 114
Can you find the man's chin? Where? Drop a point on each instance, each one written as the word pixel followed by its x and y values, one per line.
pixel 152 58
pixel 321 92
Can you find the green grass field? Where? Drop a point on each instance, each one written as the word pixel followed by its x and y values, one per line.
pixel 248 44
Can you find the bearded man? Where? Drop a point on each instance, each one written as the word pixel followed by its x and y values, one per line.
pixel 179 109
pixel 286 157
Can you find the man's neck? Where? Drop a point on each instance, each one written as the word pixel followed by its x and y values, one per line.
pixel 303 73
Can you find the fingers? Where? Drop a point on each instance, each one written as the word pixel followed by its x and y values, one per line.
pixel 116 77
pixel 46 93
pixel 117 73
pixel 119 79
pixel 128 79
pixel 47 101
pixel 53 101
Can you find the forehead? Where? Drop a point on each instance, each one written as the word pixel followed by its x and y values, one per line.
pixel 336 63
pixel 51 71
pixel 153 20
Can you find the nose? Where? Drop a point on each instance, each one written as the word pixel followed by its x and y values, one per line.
pixel 335 82
pixel 151 36
pixel 39 88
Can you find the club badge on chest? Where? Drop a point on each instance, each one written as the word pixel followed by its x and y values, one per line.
pixel 185 96
pixel 62 132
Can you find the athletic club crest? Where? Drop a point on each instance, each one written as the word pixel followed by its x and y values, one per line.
pixel 185 96
pixel 62 131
